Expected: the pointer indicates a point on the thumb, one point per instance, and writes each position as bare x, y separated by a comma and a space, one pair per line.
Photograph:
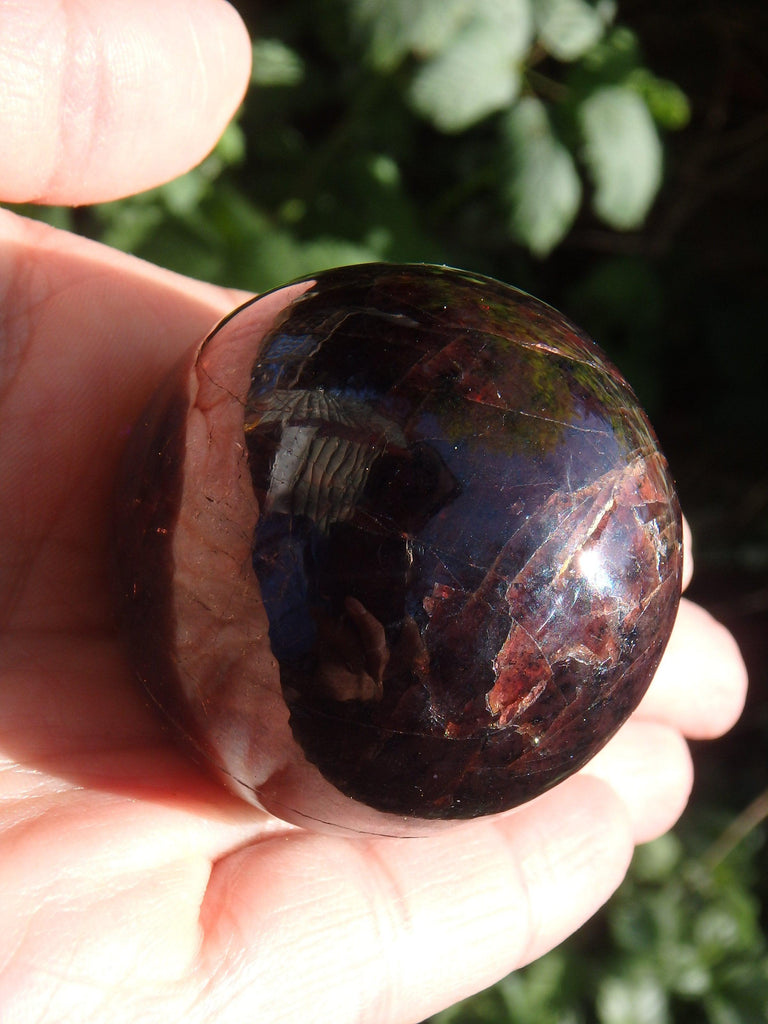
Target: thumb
101, 98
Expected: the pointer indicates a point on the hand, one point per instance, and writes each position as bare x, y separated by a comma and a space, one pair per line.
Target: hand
132, 888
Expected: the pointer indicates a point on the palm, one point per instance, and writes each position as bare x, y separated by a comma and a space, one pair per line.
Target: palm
94, 798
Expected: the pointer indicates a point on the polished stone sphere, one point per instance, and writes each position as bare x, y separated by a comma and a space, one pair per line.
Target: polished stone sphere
397, 548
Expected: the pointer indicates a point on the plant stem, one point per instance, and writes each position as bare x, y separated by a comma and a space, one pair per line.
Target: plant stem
738, 830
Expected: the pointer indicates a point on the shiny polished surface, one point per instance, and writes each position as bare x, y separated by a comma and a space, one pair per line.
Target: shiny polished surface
398, 547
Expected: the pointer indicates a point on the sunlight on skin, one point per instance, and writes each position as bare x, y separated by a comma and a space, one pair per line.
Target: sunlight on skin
133, 888
90, 88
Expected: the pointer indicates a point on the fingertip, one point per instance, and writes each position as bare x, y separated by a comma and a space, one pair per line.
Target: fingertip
574, 846
687, 554
701, 684
649, 766
100, 99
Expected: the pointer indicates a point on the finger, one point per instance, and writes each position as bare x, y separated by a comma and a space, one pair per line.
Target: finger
701, 683
393, 930
649, 767
687, 554
124, 308
100, 98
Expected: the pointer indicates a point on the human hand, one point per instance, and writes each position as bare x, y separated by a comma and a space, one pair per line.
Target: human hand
132, 888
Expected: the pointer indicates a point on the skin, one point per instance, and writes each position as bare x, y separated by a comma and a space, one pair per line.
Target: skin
132, 888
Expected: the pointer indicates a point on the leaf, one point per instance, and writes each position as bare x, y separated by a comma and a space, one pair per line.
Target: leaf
544, 186
569, 28
230, 149
395, 28
542, 992
610, 60
479, 72
666, 101
635, 998
274, 63
466, 82
658, 860
128, 224
510, 20
623, 154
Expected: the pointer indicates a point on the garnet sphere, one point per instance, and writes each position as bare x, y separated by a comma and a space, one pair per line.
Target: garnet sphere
397, 547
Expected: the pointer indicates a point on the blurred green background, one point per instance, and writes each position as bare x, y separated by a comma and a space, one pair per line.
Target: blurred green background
611, 158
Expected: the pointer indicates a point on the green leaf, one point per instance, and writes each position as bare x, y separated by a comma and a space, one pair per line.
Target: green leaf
658, 860
128, 224
395, 28
666, 101
568, 29
636, 998
230, 149
623, 154
274, 63
465, 83
684, 971
479, 72
544, 187
511, 20
57, 216
542, 992
612, 59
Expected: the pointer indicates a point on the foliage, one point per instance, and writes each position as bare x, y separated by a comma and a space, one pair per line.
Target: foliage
681, 941
444, 130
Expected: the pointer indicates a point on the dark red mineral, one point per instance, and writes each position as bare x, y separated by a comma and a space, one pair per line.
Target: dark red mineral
397, 547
